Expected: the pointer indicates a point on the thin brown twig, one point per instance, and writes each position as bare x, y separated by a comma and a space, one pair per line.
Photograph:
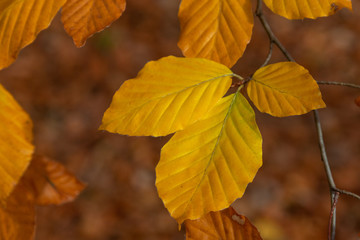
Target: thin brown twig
351, 194
324, 158
323, 151
339, 84
270, 33
333, 213
269, 54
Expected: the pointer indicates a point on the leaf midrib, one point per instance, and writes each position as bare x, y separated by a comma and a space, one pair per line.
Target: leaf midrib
175, 93
276, 89
214, 151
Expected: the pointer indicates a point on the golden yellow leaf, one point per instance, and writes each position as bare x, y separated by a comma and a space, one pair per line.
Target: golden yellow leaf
225, 224
300, 9
215, 29
209, 164
17, 217
16, 146
20, 22
166, 96
284, 89
83, 18
50, 182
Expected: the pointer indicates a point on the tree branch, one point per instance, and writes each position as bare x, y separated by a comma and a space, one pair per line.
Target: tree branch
270, 33
324, 158
347, 193
331, 234
323, 151
334, 192
269, 54
340, 84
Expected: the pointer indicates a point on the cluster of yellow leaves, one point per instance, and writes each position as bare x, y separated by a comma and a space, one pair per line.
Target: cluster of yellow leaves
42, 181
22, 20
217, 148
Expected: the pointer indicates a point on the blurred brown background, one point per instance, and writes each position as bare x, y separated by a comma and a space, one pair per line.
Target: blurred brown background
66, 90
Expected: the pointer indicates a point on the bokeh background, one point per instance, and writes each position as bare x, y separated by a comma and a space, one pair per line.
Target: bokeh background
66, 90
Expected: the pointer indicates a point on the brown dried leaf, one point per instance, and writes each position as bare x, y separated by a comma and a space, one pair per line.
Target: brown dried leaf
50, 182
225, 224
44, 182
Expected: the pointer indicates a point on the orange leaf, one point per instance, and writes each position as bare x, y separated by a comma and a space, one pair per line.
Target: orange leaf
17, 218
218, 30
20, 23
226, 224
83, 18
44, 182
50, 182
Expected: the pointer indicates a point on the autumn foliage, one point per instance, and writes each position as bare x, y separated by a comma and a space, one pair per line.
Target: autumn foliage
216, 149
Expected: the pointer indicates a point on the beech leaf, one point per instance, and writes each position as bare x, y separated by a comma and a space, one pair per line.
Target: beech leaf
295, 9
20, 23
215, 29
44, 182
166, 96
17, 217
83, 18
49, 182
225, 224
16, 146
209, 164
284, 89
